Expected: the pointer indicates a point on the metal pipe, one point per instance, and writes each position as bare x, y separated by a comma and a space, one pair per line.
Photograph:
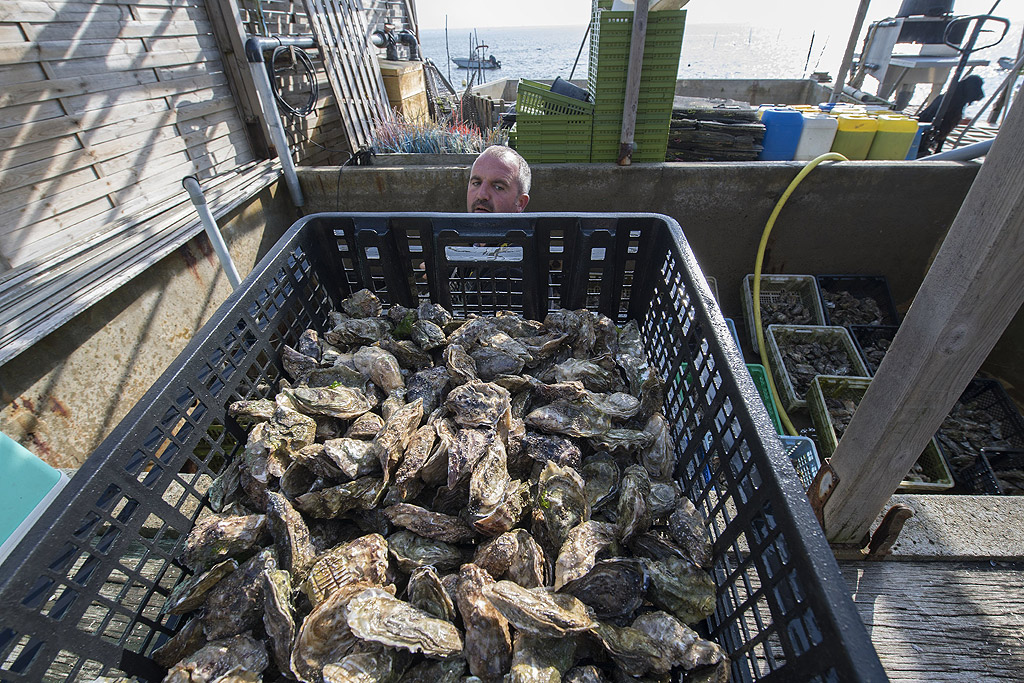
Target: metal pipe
844, 69
255, 46
195, 192
965, 153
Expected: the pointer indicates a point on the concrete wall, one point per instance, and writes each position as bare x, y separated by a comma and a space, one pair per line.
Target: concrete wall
64, 395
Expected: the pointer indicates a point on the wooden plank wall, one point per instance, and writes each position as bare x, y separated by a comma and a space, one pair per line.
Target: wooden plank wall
324, 126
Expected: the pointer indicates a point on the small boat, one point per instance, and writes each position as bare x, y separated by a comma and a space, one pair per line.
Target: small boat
475, 63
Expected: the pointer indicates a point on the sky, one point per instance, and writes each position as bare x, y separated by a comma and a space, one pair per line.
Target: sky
824, 14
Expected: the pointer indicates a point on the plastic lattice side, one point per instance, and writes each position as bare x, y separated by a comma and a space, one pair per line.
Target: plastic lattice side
81, 596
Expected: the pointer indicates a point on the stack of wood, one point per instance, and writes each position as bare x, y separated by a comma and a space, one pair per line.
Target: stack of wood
713, 130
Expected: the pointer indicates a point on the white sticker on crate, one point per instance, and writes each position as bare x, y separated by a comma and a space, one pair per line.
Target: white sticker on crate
476, 254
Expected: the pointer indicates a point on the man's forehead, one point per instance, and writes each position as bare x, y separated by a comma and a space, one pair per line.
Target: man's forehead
494, 166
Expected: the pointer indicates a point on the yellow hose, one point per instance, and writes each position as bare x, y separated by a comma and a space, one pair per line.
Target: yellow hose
830, 156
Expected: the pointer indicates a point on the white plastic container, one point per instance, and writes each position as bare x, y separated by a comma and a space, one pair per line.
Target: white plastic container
816, 138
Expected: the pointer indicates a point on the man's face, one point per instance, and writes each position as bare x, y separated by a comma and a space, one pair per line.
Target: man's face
494, 187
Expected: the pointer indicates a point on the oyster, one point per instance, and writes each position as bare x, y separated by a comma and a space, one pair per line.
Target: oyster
540, 660
612, 588
488, 644
237, 655
580, 550
278, 615
297, 364
427, 334
260, 409
563, 502
527, 566
489, 481
449, 670
601, 478
507, 513
687, 528
191, 594
430, 524
435, 313
394, 438
186, 641
632, 649
378, 616
407, 353
550, 448
380, 367
571, 418
324, 636
412, 551
631, 357
361, 561
460, 365
428, 385
235, 604
383, 665
365, 427
593, 376
407, 481
350, 331
678, 643
478, 404
665, 496
353, 458
362, 304
659, 459
214, 539
584, 674
680, 588
341, 402
426, 592
362, 494
538, 611
634, 514
465, 452
621, 440
291, 535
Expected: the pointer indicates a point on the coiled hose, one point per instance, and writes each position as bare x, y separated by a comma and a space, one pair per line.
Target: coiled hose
808, 167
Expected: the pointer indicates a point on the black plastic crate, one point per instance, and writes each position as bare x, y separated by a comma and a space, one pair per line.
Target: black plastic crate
865, 337
1005, 421
860, 287
81, 595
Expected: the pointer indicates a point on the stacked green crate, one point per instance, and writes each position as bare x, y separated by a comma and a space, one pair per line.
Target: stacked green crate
550, 127
610, 37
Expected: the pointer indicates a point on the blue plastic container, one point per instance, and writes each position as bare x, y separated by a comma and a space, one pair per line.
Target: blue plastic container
916, 144
27, 486
782, 129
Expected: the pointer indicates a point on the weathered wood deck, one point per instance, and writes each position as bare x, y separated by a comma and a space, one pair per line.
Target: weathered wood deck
942, 621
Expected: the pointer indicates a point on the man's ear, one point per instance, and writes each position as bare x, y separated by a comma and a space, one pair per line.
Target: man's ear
523, 200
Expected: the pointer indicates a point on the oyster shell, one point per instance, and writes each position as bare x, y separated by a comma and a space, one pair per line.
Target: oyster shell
488, 644
449, 670
528, 563
279, 615
584, 674
478, 404
261, 409
191, 594
360, 561
235, 604
591, 374
362, 304
359, 494
344, 403
680, 588
407, 353
580, 550
353, 458
380, 367
428, 385
468, 448
678, 643
296, 364
551, 448
460, 365
365, 427
435, 313
185, 642
428, 335
665, 496
295, 551
380, 617
571, 418
621, 440
507, 513
540, 660
429, 524
633, 650
215, 660
612, 588
539, 611
394, 438
601, 477
687, 528
215, 539
324, 636
634, 513
350, 331
563, 502
426, 592
407, 481
383, 665
412, 551
489, 481
659, 459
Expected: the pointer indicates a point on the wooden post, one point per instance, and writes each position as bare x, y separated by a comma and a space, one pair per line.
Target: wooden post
851, 45
971, 292
636, 62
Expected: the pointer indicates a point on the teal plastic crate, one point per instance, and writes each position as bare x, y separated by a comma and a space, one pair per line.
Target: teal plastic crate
764, 388
27, 486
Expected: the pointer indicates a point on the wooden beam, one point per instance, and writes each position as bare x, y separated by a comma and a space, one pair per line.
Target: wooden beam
636, 63
971, 292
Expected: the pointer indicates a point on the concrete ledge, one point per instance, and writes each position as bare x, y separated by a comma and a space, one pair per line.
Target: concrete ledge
960, 528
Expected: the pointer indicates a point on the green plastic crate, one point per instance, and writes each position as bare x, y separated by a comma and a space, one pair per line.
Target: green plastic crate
853, 388
781, 336
760, 376
552, 128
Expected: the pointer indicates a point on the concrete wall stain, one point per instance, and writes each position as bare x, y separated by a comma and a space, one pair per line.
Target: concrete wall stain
58, 407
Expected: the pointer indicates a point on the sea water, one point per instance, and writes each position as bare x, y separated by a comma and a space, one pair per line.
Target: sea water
709, 51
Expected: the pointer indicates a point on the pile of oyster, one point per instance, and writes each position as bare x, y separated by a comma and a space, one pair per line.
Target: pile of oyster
844, 308
804, 360
786, 308
434, 501
967, 429
875, 351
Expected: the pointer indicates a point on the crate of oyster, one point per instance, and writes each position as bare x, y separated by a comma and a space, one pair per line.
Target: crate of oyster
857, 300
798, 353
832, 401
314, 488
984, 417
785, 300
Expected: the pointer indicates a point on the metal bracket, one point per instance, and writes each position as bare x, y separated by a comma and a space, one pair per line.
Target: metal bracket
821, 489
888, 531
